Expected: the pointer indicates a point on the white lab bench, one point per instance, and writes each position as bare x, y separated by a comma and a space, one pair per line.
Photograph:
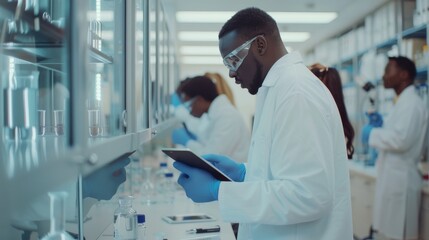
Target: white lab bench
155, 226
362, 182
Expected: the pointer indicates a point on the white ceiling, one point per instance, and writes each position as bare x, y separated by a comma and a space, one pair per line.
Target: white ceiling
350, 12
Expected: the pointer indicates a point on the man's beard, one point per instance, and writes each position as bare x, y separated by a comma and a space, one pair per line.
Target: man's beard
257, 80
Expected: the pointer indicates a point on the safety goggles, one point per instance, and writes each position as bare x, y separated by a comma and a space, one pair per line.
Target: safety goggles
235, 58
188, 104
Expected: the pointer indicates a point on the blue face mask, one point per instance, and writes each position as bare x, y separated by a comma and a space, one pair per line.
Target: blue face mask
188, 104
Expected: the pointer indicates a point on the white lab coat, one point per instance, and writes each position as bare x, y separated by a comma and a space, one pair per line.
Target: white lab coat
195, 125
297, 180
398, 187
226, 133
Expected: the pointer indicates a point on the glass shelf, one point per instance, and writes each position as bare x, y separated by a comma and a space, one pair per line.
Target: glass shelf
387, 44
97, 56
47, 32
48, 55
415, 32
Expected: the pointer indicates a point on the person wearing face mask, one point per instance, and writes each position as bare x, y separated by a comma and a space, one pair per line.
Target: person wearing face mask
295, 184
225, 132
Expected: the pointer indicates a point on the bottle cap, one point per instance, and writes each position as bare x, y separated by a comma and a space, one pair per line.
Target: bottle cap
141, 218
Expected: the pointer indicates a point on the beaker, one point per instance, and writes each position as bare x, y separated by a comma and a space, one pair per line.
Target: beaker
42, 122
94, 122
57, 231
59, 122
147, 187
20, 106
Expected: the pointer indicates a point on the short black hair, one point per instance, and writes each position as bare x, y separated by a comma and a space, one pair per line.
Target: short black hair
405, 64
200, 86
250, 22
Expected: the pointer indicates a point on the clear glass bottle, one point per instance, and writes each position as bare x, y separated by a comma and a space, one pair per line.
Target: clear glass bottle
168, 188
147, 187
141, 226
57, 231
125, 220
160, 173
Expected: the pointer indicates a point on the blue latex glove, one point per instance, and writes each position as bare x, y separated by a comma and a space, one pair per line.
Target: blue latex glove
104, 182
375, 119
175, 100
366, 131
236, 171
199, 185
181, 136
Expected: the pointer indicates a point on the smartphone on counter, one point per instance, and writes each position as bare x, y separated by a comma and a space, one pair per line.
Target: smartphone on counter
188, 218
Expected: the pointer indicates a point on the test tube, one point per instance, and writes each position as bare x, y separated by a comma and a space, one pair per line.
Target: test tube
94, 117
42, 122
59, 122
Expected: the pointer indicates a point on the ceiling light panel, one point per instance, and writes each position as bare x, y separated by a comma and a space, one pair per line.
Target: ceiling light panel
200, 50
280, 17
197, 36
210, 60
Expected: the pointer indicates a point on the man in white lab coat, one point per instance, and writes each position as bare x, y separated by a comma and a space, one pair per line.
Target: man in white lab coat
296, 182
400, 145
225, 132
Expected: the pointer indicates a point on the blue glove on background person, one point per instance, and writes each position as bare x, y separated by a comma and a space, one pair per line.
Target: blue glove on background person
366, 131
175, 100
236, 171
181, 136
375, 119
199, 185
104, 182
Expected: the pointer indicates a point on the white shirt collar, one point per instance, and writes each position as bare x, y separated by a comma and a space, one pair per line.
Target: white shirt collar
284, 62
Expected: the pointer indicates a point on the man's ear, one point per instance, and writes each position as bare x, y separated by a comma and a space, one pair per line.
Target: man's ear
404, 74
261, 45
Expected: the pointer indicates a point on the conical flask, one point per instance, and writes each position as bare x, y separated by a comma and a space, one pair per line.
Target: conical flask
58, 220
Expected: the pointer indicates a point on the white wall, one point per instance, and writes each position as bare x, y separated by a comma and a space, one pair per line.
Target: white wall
244, 100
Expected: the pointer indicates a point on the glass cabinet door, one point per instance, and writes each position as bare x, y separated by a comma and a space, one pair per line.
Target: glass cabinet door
140, 68
35, 132
104, 89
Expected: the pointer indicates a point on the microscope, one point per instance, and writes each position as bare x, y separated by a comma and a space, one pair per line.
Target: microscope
369, 152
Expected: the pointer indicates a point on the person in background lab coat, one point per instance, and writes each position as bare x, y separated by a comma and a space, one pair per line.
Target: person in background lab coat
226, 132
332, 80
296, 182
221, 85
400, 145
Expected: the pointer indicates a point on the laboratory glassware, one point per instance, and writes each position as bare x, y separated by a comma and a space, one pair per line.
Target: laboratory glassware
141, 226
94, 117
57, 231
20, 103
147, 187
125, 220
167, 188
42, 122
59, 122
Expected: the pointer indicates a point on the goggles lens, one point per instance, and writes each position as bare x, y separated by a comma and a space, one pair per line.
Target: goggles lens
235, 58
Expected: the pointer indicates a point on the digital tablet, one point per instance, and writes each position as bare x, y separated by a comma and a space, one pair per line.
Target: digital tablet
188, 218
188, 157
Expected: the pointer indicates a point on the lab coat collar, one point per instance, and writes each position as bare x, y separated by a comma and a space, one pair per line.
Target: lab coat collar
276, 70
406, 92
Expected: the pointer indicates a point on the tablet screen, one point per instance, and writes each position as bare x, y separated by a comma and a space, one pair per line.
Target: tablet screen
186, 156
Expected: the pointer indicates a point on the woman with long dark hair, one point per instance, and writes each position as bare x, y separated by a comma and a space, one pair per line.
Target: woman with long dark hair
332, 80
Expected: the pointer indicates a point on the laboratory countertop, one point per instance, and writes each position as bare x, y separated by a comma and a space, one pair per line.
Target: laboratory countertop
156, 227
370, 172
